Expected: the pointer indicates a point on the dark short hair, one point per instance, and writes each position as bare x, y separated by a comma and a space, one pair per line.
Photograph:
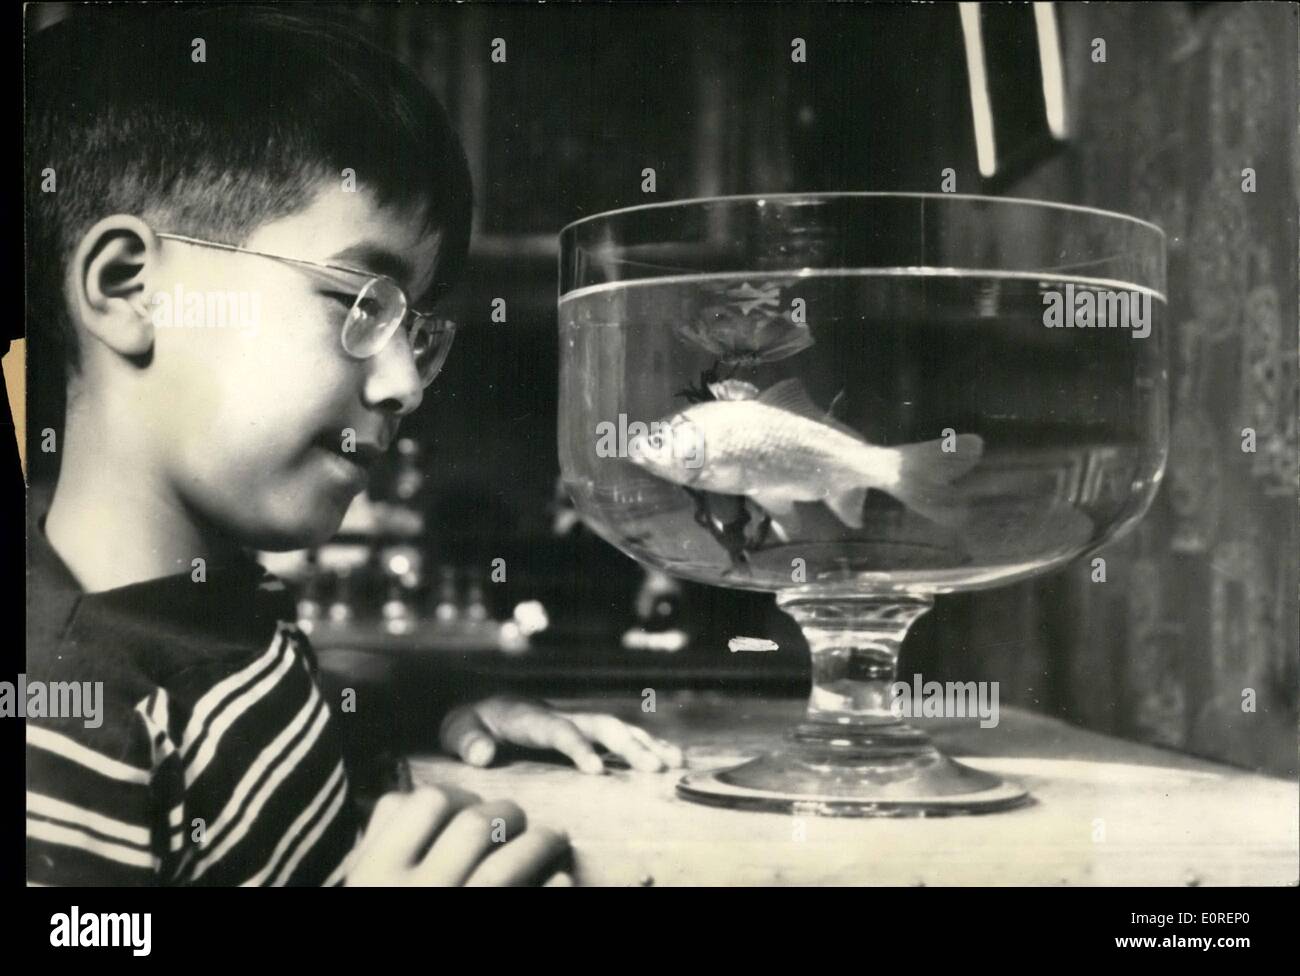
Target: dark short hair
130, 122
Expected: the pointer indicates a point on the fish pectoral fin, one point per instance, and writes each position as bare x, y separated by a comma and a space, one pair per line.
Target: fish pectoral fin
787, 526
781, 508
774, 503
847, 505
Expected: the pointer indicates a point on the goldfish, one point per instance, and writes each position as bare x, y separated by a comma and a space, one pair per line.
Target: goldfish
777, 448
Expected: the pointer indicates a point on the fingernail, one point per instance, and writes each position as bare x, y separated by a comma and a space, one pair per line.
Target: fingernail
479, 751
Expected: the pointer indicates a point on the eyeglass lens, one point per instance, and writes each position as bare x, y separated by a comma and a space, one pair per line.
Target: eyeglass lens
376, 314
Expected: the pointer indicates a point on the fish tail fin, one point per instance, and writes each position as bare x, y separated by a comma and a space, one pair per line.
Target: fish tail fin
925, 475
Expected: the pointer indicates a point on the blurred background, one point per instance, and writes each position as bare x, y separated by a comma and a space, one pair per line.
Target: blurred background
464, 567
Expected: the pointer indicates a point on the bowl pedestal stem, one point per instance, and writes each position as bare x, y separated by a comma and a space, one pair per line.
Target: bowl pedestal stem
852, 755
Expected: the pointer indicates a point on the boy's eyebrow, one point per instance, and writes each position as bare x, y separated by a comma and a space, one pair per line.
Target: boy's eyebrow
379, 260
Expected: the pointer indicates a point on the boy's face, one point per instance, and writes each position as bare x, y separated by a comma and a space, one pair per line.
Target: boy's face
248, 425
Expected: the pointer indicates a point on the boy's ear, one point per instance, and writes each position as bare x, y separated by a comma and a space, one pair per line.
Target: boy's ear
108, 279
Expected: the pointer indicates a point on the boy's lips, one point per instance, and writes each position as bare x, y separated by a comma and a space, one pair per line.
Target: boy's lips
352, 467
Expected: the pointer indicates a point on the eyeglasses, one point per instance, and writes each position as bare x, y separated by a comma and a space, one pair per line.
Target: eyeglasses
379, 308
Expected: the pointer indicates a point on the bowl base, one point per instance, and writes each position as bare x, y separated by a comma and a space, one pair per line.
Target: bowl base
916, 784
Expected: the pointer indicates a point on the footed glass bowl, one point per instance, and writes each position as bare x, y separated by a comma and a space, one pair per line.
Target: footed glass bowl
858, 401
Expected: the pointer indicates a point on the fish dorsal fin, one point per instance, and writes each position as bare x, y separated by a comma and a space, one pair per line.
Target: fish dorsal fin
791, 396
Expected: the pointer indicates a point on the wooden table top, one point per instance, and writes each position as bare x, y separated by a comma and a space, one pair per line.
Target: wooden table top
1105, 811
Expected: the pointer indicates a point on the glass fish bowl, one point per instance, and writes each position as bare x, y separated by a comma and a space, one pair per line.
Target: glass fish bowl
859, 401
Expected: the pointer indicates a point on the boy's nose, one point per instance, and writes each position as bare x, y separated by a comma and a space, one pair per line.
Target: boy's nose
392, 381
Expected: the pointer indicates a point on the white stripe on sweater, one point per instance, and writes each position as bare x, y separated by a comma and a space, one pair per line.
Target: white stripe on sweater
294, 833
62, 745
199, 762
75, 816
335, 806
273, 757
69, 837
153, 711
345, 865
214, 695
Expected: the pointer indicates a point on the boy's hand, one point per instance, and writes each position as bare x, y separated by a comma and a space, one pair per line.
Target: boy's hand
446, 836
473, 731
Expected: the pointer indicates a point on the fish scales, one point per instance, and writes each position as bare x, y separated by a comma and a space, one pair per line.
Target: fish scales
747, 443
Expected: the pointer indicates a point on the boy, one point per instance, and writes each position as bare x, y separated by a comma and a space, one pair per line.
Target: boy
250, 153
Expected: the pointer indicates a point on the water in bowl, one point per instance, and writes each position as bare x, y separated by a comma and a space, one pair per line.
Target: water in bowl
904, 357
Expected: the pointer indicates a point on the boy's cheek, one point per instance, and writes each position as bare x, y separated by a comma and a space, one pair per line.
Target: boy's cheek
275, 513
237, 413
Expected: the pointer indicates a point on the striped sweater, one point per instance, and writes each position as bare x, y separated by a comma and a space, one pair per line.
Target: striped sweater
215, 760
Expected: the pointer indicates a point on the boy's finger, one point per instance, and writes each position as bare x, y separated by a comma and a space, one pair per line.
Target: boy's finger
392, 803
522, 862
403, 826
557, 732
666, 751
467, 840
385, 809
671, 755
560, 879
464, 735
618, 737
